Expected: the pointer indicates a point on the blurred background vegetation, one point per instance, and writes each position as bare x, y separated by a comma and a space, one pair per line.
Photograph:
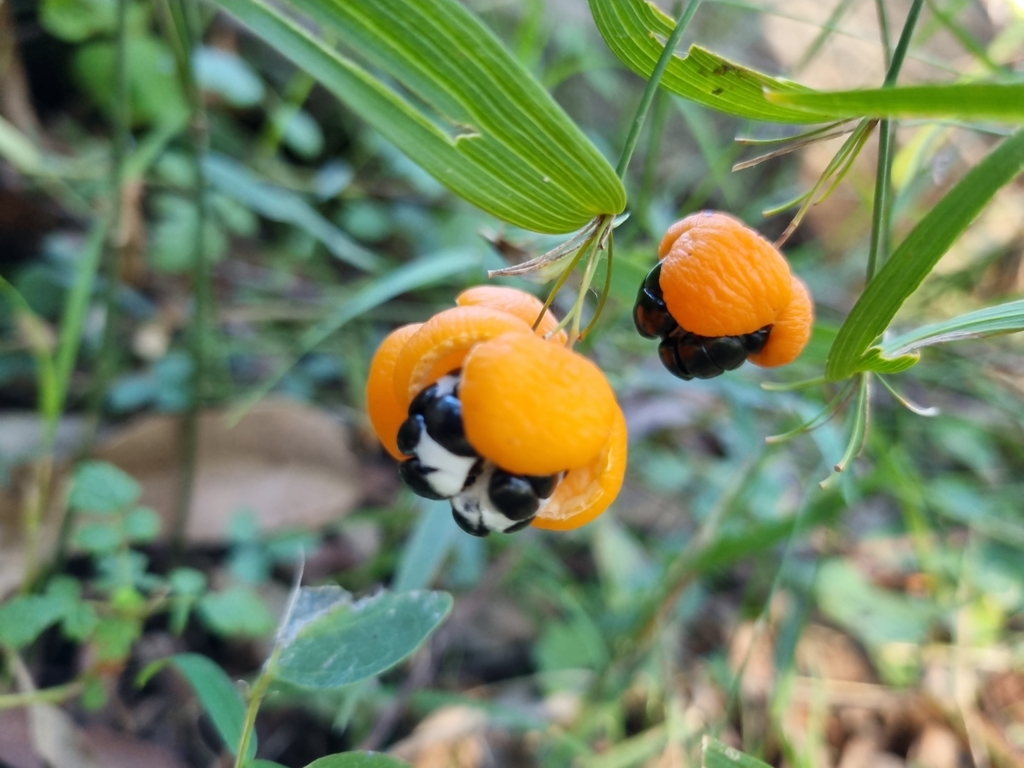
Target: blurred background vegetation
878, 623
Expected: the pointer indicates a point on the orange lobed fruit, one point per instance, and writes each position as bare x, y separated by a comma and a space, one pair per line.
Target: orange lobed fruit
790, 332
533, 407
386, 414
721, 278
525, 306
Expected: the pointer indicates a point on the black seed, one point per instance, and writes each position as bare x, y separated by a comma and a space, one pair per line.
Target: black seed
650, 317
667, 353
754, 342
423, 399
694, 357
409, 434
443, 419
652, 283
473, 530
512, 495
727, 352
518, 526
542, 485
414, 475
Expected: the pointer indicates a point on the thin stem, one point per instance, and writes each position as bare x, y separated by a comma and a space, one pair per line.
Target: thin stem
184, 31
259, 690
898, 55
883, 31
54, 695
652, 86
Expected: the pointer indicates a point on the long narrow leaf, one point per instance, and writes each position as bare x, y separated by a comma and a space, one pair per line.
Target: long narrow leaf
966, 101
917, 255
489, 131
635, 31
991, 321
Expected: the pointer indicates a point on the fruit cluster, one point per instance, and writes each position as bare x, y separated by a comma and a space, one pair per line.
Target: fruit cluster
505, 422
721, 295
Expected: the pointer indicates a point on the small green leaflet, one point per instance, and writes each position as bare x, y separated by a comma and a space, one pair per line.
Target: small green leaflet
635, 31
915, 257
715, 754
486, 130
966, 101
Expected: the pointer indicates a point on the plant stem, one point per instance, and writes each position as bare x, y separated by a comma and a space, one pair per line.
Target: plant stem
183, 32
55, 695
259, 690
881, 212
652, 86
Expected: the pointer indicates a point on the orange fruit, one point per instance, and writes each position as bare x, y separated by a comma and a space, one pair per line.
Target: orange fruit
533, 407
441, 344
721, 278
791, 331
523, 305
586, 492
386, 414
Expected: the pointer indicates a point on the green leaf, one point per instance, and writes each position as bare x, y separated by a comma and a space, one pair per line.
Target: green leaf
350, 641
427, 548
236, 612
357, 760
917, 255
99, 538
228, 75
636, 30
102, 488
486, 130
966, 101
25, 617
715, 754
142, 525
219, 698
242, 185
173, 239
114, 637
991, 321
75, 20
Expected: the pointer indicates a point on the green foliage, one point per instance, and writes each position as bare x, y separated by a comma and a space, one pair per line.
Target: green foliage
502, 142
968, 101
914, 259
77, 20
237, 611
633, 28
357, 760
715, 754
102, 488
990, 321
329, 640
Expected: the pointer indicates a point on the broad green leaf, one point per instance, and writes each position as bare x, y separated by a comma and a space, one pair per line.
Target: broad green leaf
236, 612
917, 255
991, 321
102, 488
427, 547
966, 101
277, 204
486, 130
23, 618
115, 636
715, 754
357, 760
99, 538
142, 525
636, 30
75, 20
219, 697
355, 640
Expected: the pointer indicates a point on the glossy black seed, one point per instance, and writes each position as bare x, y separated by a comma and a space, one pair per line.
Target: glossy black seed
512, 495
518, 526
443, 419
414, 475
727, 352
422, 400
652, 283
694, 357
667, 353
754, 342
478, 529
542, 485
650, 316
409, 434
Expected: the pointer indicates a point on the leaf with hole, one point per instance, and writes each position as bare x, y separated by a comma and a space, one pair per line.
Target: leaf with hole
348, 641
917, 255
636, 30
478, 122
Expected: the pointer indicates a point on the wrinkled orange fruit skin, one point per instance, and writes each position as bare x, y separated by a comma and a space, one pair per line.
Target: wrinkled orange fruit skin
721, 278
534, 407
523, 305
586, 492
441, 344
791, 331
385, 412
